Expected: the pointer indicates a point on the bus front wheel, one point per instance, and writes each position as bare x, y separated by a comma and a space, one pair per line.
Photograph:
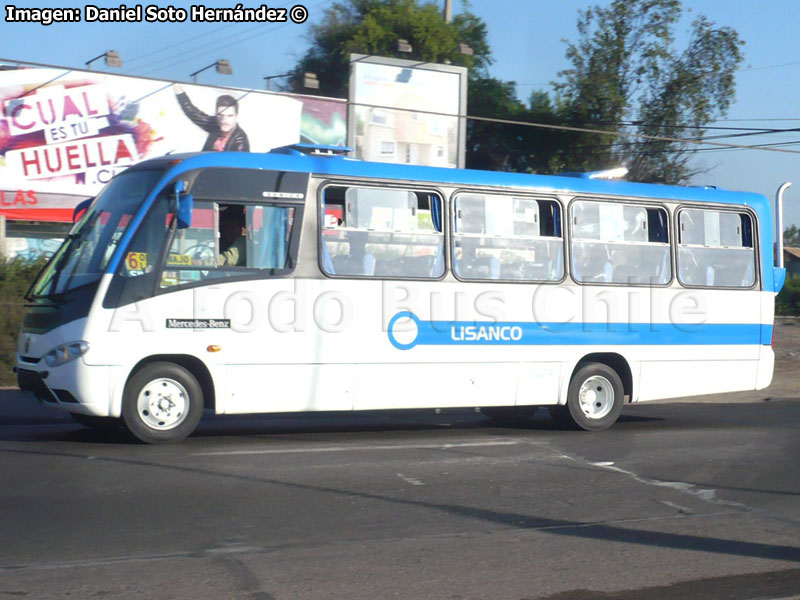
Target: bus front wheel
163, 402
594, 399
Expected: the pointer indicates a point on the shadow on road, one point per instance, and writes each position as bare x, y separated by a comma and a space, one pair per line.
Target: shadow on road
606, 531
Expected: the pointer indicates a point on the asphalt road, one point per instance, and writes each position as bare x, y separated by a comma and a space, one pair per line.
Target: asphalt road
675, 501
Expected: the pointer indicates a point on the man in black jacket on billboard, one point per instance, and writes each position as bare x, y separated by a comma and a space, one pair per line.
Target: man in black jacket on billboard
224, 132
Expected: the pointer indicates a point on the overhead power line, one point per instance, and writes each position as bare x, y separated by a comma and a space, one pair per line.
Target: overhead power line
657, 138
209, 48
752, 147
764, 68
179, 43
697, 141
756, 120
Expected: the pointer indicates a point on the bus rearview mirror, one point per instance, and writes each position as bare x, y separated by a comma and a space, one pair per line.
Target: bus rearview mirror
184, 214
80, 209
185, 202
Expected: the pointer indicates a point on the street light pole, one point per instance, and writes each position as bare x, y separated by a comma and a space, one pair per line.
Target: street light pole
269, 79
111, 56
222, 65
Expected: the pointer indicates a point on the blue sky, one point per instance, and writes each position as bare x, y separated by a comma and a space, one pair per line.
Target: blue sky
525, 37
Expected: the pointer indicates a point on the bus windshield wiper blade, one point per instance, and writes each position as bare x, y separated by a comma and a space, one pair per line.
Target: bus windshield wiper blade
39, 305
57, 268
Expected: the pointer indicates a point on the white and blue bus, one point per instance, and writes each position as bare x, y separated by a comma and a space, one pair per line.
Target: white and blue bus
305, 280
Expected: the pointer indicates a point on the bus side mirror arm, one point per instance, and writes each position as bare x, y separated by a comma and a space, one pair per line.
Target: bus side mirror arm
779, 275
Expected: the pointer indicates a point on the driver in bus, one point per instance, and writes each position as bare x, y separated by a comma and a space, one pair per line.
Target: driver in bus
232, 241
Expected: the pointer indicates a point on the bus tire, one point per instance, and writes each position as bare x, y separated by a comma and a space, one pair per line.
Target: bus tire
594, 399
560, 415
163, 402
97, 423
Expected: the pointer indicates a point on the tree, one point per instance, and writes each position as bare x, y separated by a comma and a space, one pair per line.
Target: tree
497, 146
373, 27
626, 76
791, 237
787, 301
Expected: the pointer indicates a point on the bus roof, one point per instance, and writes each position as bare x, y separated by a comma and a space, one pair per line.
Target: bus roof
298, 158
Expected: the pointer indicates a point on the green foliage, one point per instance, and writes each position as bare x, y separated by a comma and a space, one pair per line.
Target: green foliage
16, 277
492, 145
625, 68
791, 237
373, 27
497, 146
788, 300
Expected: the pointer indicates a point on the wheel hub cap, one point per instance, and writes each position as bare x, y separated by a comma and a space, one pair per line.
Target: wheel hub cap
596, 397
163, 404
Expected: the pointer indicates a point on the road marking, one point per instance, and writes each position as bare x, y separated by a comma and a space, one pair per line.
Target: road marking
410, 480
355, 448
707, 495
681, 509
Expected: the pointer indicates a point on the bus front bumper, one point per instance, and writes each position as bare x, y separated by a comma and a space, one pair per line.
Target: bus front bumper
73, 387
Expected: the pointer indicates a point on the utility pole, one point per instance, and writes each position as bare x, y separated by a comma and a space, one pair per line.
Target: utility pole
448, 11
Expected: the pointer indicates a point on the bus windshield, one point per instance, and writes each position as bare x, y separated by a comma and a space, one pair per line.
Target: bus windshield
84, 255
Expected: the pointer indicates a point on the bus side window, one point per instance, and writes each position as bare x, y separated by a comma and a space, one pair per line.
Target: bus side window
506, 237
381, 232
620, 243
193, 247
269, 230
716, 249
229, 239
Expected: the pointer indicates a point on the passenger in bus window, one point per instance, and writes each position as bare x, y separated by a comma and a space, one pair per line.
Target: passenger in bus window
232, 240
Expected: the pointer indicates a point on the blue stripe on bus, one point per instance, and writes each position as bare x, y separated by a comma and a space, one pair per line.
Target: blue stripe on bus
526, 333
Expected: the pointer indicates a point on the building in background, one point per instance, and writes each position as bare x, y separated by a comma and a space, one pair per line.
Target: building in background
791, 260
404, 111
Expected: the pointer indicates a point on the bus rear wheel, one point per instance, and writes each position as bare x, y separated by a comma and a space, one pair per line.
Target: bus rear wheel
163, 402
594, 399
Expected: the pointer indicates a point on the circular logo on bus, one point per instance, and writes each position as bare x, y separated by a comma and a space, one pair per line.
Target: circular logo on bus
403, 330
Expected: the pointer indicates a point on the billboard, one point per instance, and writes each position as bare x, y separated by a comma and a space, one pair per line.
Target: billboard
65, 133
406, 111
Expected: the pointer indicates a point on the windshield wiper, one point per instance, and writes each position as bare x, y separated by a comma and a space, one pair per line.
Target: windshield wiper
39, 305
56, 272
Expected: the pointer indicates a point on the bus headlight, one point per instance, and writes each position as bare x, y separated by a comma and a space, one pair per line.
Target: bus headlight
65, 353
